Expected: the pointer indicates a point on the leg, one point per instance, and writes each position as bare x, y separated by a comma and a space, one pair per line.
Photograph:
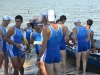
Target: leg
49, 69
38, 72
21, 66
42, 68
63, 57
1, 59
6, 63
15, 64
57, 68
78, 57
84, 57
87, 54
10, 67
28, 50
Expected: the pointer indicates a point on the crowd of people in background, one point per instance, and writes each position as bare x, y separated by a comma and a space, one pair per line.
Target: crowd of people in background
50, 37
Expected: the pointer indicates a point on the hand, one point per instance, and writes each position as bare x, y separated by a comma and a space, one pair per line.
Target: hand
18, 45
40, 43
37, 63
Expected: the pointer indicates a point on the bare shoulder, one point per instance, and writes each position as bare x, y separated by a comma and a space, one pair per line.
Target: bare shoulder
46, 29
75, 28
10, 30
65, 28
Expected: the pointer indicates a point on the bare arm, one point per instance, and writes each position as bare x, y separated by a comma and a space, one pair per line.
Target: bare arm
1, 33
31, 39
66, 35
44, 43
92, 39
88, 37
74, 36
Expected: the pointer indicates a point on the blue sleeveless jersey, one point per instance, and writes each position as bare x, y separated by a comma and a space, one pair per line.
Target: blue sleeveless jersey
17, 37
53, 45
4, 45
38, 38
82, 34
63, 43
81, 39
28, 32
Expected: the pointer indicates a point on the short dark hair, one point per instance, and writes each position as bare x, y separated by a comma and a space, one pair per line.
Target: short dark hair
19, 17
63, 17
89, 22
57, 20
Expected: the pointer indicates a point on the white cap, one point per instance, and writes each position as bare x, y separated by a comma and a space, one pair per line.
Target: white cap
51, 15
77, 20
6, 18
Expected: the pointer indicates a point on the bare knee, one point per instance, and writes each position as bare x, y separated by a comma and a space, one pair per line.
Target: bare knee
16, 67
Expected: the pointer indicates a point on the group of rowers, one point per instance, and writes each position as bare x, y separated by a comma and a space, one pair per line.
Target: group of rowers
49, 38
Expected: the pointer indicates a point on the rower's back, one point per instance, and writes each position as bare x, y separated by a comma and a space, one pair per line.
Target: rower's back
54, 39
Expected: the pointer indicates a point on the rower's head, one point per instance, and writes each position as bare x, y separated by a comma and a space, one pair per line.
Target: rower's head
57, 21
89, 23
6, 20
63, 18
28, 24
51, 16
18, 20
44, 17
77, 22
38, 26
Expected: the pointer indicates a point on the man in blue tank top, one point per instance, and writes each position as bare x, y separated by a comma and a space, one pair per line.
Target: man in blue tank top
14, 37
80, 38
38, 38
28, 30
52, 35
63, 43
3, 48
91, 34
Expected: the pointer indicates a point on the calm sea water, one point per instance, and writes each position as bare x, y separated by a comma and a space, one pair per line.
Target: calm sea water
73, 9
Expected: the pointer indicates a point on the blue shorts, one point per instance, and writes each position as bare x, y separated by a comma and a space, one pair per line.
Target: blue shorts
28, 39
14, 51
52, 57
88, 45
81, 46
23, 55
62, 46
4, 50
38, 47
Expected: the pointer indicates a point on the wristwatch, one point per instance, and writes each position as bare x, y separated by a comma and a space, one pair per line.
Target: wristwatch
38, 59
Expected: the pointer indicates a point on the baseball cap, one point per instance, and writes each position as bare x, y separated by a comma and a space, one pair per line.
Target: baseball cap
7, 18
77, 20
45, 14
51, 15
